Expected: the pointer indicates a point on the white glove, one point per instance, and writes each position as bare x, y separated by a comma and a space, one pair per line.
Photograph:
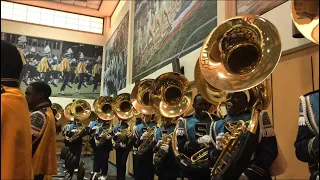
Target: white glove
73, 130
118, 133
165, 147
243, 177
144, 135
122, 145
204, 139
221, 141
160, 141
317, 177
108, 136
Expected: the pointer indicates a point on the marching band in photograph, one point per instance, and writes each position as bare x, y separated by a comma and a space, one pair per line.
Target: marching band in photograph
218, 120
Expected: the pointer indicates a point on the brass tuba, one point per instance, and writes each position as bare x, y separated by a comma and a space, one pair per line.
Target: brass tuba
238, 55
305, 16
57, 110
103, 107
124, 111
171, 95
81, 110
67, 113
140, 99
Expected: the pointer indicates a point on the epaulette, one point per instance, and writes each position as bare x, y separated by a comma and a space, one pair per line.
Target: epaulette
2, 90
312, 92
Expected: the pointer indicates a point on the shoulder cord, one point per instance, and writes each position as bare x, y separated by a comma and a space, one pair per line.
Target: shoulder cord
305, 115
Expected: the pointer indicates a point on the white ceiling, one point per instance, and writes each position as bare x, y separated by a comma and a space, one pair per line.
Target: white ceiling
97, 8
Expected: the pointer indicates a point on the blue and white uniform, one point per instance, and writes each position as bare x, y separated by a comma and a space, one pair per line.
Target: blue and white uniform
307, 141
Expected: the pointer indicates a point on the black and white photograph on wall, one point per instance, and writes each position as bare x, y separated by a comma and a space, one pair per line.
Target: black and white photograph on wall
257, 7
116, 59
165, 30
71, 69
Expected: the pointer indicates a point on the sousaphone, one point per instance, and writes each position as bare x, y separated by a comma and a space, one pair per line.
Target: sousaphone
67, 113
103, 107
80, 109
57, 110
171, 94
305, 16
123, 107
141, 97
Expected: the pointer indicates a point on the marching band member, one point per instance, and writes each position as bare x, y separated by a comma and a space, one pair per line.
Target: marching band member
75, 133
80, 72
166, 168
65, 70
193, 134
96, 73
16, 142
55, 70
66, 133
122, 148
239, 108
44, 67
307, 142
43, 130
145, 168
90, 131
134, 149
103, 142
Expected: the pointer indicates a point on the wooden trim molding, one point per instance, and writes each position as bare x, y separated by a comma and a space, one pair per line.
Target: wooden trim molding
230, 8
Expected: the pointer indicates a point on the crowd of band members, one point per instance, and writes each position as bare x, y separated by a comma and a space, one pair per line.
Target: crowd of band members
33, 155
70, 69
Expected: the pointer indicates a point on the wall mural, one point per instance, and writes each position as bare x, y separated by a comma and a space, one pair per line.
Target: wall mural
257, 7
71, 69
164, 30
116, 59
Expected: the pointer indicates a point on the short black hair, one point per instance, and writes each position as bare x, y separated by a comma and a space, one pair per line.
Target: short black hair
11, 61
195, 97
42, 87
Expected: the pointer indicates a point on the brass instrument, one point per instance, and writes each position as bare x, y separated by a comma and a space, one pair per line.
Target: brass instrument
305, 15
123, 110
57, 110
238, 55
67, 113
140, 99
103, 107
81, 110
160, 154
123, 107
171, 95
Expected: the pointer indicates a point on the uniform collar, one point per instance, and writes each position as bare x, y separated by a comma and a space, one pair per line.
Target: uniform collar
42, 105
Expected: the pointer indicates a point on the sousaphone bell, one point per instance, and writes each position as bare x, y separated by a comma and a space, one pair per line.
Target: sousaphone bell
67, 113
240, 53
80, 109
171, 95
57, 110
103, 107
123, 107
140, 97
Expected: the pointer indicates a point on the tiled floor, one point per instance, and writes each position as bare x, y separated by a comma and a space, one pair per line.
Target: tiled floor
88, 160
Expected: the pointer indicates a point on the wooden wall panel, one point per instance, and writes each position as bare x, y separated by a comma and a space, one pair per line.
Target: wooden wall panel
291, 79
315, 64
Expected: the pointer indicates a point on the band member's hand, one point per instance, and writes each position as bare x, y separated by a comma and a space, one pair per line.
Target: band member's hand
243, 177
73, 130
118, 133
144, 135
122, 145
204, 140
159, 142
108, 136
221, 141
165, 148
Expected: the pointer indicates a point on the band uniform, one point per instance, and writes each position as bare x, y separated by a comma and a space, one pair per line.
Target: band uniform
267, 148
166, 168
122, 149
145, 168
307, 141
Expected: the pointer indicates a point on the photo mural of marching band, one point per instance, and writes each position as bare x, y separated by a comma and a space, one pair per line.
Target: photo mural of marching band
71, 69
164, 30
116, 59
